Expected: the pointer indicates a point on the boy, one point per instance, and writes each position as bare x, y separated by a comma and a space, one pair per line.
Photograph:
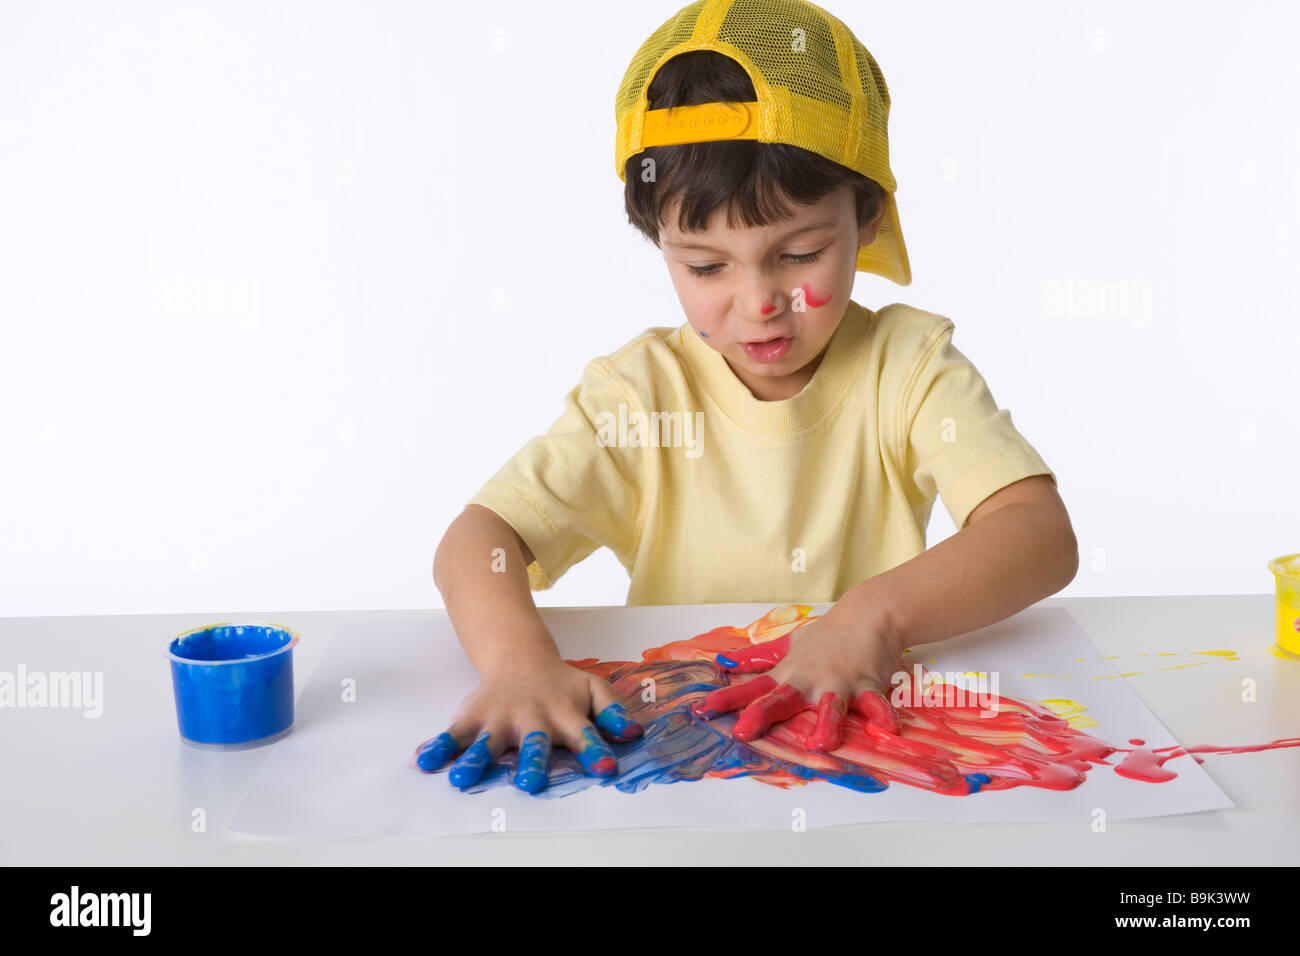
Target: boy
786, 444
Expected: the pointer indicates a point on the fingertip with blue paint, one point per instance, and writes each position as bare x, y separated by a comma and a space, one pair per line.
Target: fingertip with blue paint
534, 758
615, 722
726, 661
595, 756
432, 754
467, 770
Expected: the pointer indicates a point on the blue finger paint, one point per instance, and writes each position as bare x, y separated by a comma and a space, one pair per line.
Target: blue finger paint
676, 745
233, 684
534, 756
615, 722
466, 771
595, 755
435, 752
726, 661
976, 780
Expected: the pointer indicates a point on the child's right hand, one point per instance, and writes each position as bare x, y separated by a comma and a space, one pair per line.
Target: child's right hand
527, 705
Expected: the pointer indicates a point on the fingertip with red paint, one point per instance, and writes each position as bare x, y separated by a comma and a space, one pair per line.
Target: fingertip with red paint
882, 718
615, 722
778, 705
595, 756
758, 657
829, 732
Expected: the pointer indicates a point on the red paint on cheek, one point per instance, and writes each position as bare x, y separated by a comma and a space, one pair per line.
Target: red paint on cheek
812, 298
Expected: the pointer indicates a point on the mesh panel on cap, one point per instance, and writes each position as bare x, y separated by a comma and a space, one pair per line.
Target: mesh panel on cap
676, 30
766, 32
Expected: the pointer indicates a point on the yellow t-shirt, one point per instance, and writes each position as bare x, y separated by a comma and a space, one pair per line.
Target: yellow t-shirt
708, 495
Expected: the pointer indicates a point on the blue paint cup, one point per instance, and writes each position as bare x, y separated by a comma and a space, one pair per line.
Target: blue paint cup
233, 684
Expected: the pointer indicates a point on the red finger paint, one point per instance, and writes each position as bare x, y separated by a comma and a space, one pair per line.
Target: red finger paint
880, 713
733, 697
811, 297
781, 704
759, 657
1148, 765
719, 639
939, 748
829, 732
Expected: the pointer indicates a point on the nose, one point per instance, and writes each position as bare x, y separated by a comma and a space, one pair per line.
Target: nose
765, 301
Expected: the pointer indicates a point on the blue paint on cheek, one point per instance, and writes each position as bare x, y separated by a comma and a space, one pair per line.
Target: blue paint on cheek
976, 780
615, 722
704, 335
466, 771
534, 755
435, 753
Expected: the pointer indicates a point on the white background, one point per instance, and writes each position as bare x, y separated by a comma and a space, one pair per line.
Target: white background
282, 284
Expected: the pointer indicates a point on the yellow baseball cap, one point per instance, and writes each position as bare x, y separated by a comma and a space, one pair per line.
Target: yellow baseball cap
817, 87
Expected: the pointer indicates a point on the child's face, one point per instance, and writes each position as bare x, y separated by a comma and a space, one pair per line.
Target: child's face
785, 280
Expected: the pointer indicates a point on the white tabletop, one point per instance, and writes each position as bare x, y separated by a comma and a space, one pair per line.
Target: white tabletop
121, 789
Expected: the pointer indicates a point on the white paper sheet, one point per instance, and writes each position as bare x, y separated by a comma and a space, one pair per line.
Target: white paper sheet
343, 770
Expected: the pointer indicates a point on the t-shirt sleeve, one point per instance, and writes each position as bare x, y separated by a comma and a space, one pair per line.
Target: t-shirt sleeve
956, 442
571, 490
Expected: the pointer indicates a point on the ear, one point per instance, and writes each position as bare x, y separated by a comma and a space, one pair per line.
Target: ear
867, 233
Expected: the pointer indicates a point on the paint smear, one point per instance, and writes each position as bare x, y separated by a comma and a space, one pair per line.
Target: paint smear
812, 298
949, 749
1216, 656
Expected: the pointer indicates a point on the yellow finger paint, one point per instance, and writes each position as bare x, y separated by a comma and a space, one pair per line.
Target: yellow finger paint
1071, 710
1286, 571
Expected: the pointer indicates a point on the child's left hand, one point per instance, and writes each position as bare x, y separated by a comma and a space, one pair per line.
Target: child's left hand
818, 666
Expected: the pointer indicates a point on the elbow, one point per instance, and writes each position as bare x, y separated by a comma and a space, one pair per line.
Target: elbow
437, 563
1070, 558
441, 554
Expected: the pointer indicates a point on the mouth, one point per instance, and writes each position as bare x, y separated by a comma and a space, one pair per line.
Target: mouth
768, 350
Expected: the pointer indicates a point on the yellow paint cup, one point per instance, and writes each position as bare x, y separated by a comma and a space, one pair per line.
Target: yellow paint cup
1286, 570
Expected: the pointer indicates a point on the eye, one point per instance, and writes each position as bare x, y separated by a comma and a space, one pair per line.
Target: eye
800, 260
702, 270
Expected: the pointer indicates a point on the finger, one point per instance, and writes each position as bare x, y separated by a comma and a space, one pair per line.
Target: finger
435, 752
782, 704
758, 657
615, 722
593, 753
829, 732
469, 767
882, 718
611, 715
534, 760
726, 699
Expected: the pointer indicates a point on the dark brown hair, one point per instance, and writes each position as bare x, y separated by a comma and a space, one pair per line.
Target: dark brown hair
755, 181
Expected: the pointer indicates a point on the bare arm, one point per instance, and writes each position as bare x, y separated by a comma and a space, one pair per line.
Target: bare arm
1017, 547
492, 612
